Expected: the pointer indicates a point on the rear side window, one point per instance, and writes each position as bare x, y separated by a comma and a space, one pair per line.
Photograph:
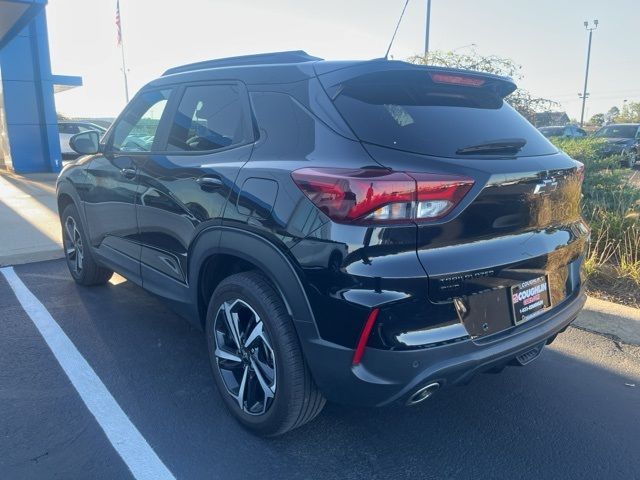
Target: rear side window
404, 109
209, 117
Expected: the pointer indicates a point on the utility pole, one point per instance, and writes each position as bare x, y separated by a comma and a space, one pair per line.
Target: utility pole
426, 34
584, 95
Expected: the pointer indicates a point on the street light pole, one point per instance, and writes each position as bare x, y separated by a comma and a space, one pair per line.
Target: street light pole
586, 73
426, 34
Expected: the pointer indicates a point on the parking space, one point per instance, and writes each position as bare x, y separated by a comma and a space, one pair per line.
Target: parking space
561, 417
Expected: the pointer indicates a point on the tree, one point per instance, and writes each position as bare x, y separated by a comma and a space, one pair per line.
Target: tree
522, 100
597, 120
630, 113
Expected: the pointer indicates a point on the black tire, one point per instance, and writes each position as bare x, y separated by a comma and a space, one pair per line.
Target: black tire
296, 399
86, 271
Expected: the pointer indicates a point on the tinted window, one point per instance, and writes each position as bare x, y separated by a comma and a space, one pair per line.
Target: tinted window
617, 131
136, 130
553, 131
209, 117
405, 110
68, 128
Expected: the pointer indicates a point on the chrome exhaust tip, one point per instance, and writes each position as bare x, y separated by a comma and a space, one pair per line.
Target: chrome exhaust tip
423, 393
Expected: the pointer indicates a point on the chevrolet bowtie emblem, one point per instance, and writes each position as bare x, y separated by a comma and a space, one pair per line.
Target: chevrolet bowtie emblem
546, 186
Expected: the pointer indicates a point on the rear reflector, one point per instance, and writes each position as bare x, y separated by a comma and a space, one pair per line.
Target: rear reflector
364, 336
374, 196
457, 79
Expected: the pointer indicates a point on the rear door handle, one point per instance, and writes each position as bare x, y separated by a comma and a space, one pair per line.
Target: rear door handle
128, 172
209, 183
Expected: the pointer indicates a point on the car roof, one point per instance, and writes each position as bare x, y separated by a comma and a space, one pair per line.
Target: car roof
286, 67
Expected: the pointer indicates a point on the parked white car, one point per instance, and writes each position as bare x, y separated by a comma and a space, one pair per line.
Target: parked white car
69, 129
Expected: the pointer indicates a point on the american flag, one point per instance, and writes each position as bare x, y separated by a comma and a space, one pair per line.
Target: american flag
118, 24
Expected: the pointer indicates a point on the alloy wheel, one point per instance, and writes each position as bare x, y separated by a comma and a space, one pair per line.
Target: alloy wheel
244, 357
73, 245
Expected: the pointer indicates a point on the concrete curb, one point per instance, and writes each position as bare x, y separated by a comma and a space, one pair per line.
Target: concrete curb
612, 319
30, 257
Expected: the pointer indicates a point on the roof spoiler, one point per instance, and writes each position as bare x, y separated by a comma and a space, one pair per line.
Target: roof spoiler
500, 85
293, 56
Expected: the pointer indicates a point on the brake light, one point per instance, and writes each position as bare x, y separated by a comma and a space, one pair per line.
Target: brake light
373, 196
457, 79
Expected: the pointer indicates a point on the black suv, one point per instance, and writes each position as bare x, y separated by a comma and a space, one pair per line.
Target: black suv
364, 232
621, 139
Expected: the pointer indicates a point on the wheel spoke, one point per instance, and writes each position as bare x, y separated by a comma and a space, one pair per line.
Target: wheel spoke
79, 259
70, 251
243, 387
255, 333
69, 228
268, 392
232, 323
225, 355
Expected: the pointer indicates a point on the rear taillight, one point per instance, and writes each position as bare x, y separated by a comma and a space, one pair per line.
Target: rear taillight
368, 196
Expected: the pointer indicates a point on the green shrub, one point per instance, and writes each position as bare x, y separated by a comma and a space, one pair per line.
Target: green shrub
611, 205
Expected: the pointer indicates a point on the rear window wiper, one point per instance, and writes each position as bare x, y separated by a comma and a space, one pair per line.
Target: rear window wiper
494, 147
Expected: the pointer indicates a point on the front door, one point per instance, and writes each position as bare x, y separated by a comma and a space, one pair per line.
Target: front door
113, 185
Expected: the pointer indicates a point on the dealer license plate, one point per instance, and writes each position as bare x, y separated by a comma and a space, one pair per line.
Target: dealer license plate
530, 299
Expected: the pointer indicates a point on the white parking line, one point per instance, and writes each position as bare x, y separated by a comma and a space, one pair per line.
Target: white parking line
123, 435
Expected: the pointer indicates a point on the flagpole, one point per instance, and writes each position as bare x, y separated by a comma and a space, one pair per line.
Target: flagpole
121, 43
124, 73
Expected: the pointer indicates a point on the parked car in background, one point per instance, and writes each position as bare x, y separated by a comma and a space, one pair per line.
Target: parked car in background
566, 131
366, 232
621, 139
68, 129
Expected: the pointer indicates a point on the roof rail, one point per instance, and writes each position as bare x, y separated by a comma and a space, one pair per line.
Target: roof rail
293, 56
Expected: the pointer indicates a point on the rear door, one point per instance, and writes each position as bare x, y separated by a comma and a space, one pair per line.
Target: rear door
184, 186
519, 222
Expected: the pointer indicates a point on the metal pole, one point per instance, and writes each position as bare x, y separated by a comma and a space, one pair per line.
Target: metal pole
426, 35
124, 73
586, 79
124, 65
586, 73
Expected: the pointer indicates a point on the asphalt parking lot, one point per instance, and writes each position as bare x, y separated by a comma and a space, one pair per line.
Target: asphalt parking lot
563, 416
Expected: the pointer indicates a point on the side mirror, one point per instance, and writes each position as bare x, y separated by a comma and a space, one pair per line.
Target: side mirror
86, 143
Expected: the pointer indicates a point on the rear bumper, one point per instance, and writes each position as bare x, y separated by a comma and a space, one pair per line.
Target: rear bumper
387, 376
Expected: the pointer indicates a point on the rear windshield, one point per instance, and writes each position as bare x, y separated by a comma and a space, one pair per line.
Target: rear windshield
407, 111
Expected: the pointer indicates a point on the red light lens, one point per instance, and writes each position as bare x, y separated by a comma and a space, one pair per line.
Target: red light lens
364, 336
439, 194
457, 79
350, 195
376, 196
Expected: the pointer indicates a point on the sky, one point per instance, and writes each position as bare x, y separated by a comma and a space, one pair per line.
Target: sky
547, 37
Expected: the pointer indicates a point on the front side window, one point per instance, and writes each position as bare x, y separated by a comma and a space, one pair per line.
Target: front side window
209, 117
136, 130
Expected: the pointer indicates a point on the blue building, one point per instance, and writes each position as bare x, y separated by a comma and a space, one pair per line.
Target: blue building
29, 140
